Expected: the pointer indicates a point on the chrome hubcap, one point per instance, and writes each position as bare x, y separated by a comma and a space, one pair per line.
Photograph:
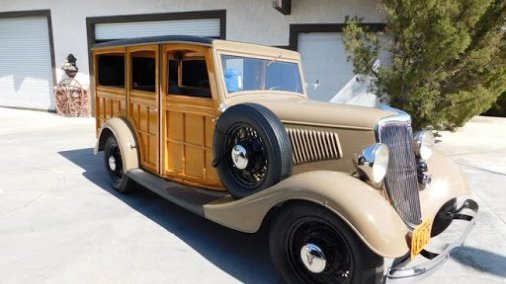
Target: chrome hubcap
313, 258
112, 163
239, 157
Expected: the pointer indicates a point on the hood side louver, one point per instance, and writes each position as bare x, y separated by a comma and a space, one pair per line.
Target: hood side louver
314, 145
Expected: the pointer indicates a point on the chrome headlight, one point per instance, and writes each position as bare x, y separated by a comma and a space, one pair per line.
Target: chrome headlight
424, 143
372, 162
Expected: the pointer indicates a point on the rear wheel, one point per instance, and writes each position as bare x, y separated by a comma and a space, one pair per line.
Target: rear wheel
309, 244
114, 165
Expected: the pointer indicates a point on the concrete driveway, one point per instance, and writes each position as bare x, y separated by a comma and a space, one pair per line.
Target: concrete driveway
60, 222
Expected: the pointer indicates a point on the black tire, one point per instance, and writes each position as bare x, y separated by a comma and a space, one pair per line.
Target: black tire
118, 179
347, 258
263, 138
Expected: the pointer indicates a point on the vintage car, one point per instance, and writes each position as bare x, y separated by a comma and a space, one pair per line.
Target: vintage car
226, 130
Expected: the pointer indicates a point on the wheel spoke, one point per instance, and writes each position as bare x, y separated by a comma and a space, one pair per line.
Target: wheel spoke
335, 249
248, 137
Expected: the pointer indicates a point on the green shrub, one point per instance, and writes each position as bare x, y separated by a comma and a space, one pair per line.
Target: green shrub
499, 108
448, 57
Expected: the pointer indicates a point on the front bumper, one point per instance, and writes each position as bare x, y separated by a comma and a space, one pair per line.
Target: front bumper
401, 272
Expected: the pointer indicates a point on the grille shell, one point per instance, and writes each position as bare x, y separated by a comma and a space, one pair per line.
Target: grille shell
401, 178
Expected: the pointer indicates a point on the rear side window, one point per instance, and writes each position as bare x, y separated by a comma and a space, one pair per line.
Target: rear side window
173, 70
111, 70
195, 74
143, 73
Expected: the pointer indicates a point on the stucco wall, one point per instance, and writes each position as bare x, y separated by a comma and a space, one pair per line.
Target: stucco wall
247, 20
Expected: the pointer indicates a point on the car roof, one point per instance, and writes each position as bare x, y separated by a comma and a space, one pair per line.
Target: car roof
155, 40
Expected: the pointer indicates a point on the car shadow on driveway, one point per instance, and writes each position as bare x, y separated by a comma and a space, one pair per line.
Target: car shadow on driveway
481, 260
244, 256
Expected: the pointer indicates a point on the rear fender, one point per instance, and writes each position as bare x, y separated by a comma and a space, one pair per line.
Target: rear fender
362, 207
120, 129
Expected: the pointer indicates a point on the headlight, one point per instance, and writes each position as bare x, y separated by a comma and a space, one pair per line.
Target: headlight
372, 162
424, 143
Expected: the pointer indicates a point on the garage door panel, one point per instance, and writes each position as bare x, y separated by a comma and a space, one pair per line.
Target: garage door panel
26, 78
324, 59
195, 27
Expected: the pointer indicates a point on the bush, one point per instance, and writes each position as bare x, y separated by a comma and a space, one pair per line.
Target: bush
499, 108
448, 57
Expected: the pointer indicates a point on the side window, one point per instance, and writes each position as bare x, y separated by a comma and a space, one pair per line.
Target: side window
195, 74
143, 71
188, 75
111, 70
173, 72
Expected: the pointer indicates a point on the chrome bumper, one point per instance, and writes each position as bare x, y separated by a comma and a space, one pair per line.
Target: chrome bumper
399, 273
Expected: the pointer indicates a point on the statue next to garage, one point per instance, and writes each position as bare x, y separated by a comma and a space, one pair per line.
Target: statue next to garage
71, 98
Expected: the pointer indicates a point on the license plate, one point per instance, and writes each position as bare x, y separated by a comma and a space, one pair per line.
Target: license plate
420, 237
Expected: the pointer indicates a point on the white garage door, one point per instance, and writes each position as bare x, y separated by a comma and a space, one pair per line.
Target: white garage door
324, 59
26, 78
197, 27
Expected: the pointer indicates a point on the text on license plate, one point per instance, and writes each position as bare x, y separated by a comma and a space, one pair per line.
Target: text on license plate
420, 237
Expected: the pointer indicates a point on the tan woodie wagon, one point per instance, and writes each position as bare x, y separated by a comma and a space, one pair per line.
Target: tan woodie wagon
225, 130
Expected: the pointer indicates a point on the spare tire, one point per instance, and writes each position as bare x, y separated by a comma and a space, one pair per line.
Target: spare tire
252, 150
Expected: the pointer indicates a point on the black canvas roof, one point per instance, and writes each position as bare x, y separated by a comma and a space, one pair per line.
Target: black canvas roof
155, 40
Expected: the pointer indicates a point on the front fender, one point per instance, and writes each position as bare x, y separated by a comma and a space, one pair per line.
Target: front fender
362, 207
447, 182
126, 141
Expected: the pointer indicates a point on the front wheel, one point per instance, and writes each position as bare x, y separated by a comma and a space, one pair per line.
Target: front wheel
114, 165
309, 244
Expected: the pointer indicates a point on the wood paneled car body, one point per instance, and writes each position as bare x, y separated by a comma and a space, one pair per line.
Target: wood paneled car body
225, 130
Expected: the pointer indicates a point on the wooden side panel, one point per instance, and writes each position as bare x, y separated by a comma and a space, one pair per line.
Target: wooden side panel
175, 145
109, 103
144, 116
211, 172
190, 126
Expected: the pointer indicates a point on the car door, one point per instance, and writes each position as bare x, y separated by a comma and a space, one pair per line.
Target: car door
190, 106
142, 95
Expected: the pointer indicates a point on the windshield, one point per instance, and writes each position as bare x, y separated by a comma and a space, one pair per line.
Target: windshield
252, 74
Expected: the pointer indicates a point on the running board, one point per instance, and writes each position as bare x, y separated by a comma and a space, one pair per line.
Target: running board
190, 198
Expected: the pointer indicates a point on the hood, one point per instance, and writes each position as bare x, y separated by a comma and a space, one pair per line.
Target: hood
296, 109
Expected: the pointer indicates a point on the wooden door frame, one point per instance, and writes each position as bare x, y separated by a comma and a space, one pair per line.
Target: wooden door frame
165, 49
129, 90
101, 118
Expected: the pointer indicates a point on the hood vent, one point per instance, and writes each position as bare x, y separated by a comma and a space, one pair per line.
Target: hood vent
313, 145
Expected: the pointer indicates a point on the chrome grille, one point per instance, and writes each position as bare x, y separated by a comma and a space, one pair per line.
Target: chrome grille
401, 180
313, 145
